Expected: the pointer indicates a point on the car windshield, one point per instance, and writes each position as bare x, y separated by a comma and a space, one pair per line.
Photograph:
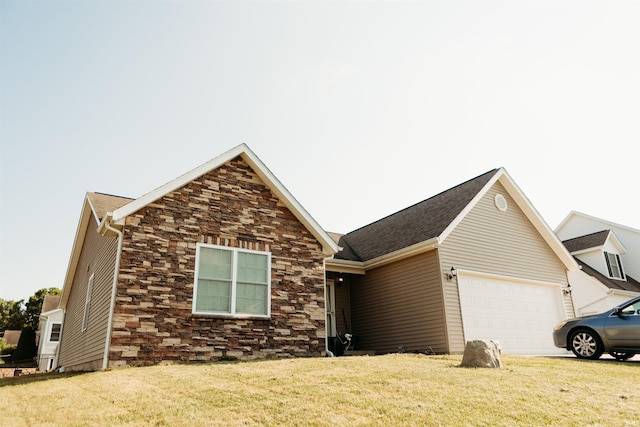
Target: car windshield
631, 309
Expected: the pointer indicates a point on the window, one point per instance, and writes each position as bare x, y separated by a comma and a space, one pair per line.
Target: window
87, 303
632, 309
55, 332
614, 265
232, 281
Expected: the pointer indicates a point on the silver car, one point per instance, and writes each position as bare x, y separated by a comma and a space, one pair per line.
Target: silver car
616, 332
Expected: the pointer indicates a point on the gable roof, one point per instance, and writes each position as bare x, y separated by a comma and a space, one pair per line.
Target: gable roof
329, 246
50, 303
629, 285
418, 223
12, 337
427, 224
593, 240
589, 241
112, 210
102, 203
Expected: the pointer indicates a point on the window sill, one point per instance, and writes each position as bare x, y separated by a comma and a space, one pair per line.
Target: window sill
231, 316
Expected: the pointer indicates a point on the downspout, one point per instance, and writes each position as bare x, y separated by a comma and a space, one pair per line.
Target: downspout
105, 359
326, 327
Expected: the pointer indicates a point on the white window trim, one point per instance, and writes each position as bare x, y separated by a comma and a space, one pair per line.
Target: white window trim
51, 332
232, 313
87, 304
615, 258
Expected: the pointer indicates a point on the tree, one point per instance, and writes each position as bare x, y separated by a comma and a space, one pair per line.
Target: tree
12, 315
26, 349
34, 306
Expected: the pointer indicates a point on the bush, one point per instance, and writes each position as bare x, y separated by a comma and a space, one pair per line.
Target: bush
26, 349
5, 350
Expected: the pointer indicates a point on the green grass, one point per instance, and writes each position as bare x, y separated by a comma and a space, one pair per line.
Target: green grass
383, 390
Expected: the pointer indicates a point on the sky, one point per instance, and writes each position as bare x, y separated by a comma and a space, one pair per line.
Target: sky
359, 108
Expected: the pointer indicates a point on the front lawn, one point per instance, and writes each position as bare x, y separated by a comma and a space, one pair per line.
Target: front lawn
382, 390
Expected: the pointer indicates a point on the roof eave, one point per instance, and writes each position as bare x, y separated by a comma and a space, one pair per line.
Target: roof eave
328, 245
76, 249
538, 222
527, 207
409, 251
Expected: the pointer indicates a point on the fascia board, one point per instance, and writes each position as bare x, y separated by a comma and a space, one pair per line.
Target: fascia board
565, 221
357, 267
173, 185
407, 252
525, 205
596, 219
616, 242
622, 292
536, 219
471, 205
344, 266
76, 249
588, 250
328, 245
51, 312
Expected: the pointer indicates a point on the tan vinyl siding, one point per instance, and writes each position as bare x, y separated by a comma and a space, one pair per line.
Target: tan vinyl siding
84, 350
400, 305
500, 243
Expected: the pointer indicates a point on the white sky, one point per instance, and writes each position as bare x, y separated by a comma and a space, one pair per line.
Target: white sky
360, 109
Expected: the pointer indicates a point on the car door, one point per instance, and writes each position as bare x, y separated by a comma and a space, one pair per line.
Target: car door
623, 329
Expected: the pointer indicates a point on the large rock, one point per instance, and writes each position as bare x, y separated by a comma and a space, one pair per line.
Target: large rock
482, 354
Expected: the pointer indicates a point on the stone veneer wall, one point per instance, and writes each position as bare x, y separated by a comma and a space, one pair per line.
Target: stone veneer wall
230, 206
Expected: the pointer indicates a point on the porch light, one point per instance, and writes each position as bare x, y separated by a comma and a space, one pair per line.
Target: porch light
453, 273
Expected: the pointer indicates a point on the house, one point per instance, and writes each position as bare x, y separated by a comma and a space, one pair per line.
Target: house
220, 263
473, 262
609, 257
12, 337
49, 332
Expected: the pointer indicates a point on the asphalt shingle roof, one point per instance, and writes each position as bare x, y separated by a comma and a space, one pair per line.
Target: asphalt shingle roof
418, 223
588, 241
103, 203
630, 284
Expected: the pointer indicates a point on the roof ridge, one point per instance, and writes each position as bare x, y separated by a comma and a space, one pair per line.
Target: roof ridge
112, 195
584, 236
423, 201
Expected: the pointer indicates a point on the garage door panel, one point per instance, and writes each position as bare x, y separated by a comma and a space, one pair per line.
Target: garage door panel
520, 316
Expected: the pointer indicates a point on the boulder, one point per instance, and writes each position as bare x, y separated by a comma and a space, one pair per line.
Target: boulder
482, 354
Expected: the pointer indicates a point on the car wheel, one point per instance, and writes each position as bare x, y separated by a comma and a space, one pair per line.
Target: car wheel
586, 344
621, 355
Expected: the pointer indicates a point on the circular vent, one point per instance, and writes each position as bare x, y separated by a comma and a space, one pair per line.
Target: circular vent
501, 202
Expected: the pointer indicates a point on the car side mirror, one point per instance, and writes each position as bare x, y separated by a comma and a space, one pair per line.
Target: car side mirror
617, 311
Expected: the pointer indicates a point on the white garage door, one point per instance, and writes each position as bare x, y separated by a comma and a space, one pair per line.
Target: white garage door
520, 316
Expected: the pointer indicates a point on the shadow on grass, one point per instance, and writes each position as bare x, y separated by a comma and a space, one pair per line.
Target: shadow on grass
604, 359
36, 378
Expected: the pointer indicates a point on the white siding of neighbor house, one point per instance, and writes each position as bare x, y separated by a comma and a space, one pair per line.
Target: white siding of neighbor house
84, 350
499, 243
579, 225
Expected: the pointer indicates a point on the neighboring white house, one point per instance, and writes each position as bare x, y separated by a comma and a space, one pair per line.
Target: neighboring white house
609, 257
49, 333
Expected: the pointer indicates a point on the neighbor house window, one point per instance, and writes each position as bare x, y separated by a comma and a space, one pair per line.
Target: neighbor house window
232, 281
614, 265
87, 304
55, 332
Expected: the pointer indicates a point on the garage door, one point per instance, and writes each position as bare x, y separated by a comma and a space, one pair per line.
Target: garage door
520, 316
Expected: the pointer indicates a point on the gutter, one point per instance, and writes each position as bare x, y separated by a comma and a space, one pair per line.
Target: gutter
106, 226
